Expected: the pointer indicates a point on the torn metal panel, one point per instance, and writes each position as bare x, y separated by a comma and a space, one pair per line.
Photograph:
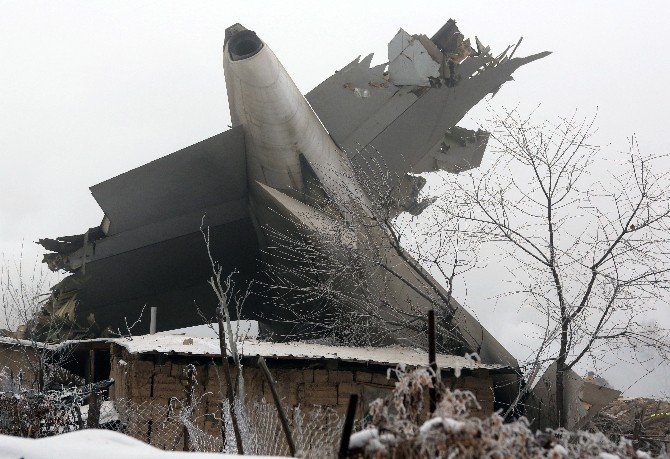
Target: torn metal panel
431, 48
461, 149
57, 320
452, 43
65, 246
410, 62
584, 399
408, 193
595, 397
69, 244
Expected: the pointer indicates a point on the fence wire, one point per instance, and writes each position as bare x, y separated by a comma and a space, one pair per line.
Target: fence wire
174, 424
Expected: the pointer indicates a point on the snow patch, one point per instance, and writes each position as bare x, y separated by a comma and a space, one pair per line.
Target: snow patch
360, 439
560, 450
108, 412
92, 443
248, 328
393, 355
447, 424
608, 456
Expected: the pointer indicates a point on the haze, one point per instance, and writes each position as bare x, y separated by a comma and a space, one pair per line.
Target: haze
91, 89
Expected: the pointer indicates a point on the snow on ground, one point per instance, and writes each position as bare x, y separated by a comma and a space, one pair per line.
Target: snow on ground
108, 412
91, 443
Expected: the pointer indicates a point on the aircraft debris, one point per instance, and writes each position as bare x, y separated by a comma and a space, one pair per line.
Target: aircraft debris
585, 398
148, 250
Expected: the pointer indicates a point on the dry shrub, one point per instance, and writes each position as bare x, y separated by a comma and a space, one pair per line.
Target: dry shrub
400, 426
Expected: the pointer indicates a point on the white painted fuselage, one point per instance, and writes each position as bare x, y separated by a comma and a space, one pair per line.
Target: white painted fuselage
279, 126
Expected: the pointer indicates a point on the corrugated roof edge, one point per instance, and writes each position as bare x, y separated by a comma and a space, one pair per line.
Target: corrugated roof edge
181, 345
6, 340
198, 346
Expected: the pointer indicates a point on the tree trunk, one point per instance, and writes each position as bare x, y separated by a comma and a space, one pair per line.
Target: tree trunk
229, 390
561, 367
561, 418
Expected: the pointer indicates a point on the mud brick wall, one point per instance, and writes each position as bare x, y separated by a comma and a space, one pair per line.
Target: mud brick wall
18, 360
479, 383
141, 378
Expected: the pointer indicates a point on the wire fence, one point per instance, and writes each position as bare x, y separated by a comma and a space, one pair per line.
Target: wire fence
174, 424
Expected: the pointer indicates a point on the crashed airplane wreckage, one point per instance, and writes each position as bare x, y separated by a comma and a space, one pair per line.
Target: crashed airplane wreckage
249, 180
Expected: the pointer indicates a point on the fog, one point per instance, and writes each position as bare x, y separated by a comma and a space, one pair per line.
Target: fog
91, 89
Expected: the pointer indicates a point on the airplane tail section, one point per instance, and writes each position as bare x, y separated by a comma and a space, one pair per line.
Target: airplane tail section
407, 108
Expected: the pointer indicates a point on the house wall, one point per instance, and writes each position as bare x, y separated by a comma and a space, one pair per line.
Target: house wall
151, 378
18, 360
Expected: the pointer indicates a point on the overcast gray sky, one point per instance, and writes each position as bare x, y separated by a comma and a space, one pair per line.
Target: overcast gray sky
91, 89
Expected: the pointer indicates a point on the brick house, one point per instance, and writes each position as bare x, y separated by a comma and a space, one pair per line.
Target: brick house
149, 372
152, 367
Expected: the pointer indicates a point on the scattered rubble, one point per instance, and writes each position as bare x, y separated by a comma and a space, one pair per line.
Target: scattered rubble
397, 427
644, 420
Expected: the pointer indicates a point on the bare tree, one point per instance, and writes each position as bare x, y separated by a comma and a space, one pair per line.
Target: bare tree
32, 328
229, 297
585, 234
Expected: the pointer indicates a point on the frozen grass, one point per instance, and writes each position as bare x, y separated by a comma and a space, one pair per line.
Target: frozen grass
400, 427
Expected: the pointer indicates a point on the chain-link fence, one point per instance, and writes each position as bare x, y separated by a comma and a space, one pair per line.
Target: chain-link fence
174, 424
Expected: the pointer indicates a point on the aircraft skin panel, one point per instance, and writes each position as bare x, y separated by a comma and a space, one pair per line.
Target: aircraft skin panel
406, 118
194, 178
339, 103
171, 275
279, 125
158, 232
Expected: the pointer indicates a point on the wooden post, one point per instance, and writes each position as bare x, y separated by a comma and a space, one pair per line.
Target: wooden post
189, 402
637, 427
93, 420
280, 409
80, 421
432, 360
348, 426
229, 383
150, 423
